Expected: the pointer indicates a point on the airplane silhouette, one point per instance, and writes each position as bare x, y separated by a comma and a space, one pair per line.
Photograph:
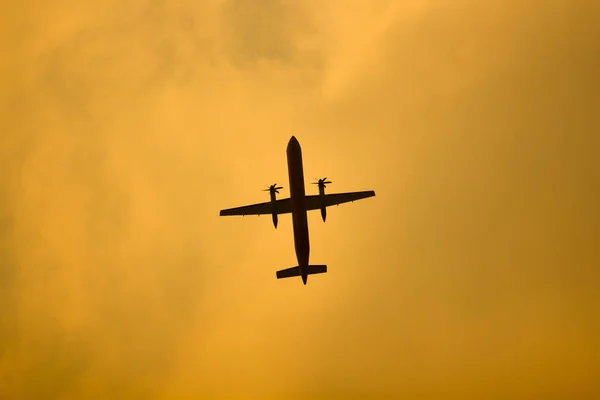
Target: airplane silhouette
298, 204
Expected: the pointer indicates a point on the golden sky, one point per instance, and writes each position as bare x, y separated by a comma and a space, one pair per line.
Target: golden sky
126, 127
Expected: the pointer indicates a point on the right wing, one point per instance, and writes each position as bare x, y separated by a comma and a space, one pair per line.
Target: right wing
282, 206
317, 201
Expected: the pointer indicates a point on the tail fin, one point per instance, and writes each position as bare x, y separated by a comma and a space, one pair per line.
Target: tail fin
295, 271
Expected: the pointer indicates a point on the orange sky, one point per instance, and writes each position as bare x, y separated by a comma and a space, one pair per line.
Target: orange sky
126, 127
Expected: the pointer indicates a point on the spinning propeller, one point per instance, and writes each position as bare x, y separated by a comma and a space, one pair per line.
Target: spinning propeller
321, 182
273, 188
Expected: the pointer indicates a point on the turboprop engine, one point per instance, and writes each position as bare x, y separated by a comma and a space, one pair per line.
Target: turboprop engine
322, 182
273, 191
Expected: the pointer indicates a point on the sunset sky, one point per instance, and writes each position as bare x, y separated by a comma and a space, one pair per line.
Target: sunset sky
126, 126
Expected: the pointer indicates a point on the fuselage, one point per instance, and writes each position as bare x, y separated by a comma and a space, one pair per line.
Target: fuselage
298, 199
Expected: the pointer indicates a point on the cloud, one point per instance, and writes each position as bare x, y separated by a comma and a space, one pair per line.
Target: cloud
470, 275
260, 31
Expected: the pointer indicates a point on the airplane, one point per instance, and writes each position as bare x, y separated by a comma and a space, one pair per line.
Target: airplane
298, 204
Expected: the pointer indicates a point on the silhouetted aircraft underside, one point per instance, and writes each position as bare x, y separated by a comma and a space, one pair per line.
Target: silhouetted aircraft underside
298, 204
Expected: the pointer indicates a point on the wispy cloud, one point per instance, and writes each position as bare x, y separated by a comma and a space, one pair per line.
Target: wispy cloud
128, 126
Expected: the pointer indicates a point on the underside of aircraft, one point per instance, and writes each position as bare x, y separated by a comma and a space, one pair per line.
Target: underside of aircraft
298, 204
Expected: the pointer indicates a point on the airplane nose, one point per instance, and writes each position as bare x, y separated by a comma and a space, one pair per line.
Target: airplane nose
293, 144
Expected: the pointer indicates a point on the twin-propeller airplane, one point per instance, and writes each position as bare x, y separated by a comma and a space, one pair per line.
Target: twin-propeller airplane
298, 204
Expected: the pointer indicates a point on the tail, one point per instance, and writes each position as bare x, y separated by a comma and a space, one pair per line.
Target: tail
295, 271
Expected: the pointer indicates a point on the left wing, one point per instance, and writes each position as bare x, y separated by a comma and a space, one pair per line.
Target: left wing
282, 206
317, 201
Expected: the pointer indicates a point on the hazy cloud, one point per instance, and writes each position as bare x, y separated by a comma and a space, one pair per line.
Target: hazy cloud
127, 127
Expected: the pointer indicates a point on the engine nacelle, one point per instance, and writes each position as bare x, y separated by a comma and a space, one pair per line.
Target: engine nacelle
273, 190
322, 182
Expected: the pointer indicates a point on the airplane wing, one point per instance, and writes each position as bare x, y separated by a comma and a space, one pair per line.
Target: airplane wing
282, 206
316, 202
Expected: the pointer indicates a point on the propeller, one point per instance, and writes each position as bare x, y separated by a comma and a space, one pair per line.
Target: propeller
321, 182
273, 188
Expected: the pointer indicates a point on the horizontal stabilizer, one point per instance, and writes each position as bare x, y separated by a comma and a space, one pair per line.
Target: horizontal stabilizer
316, 269
295, 271
288, 273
